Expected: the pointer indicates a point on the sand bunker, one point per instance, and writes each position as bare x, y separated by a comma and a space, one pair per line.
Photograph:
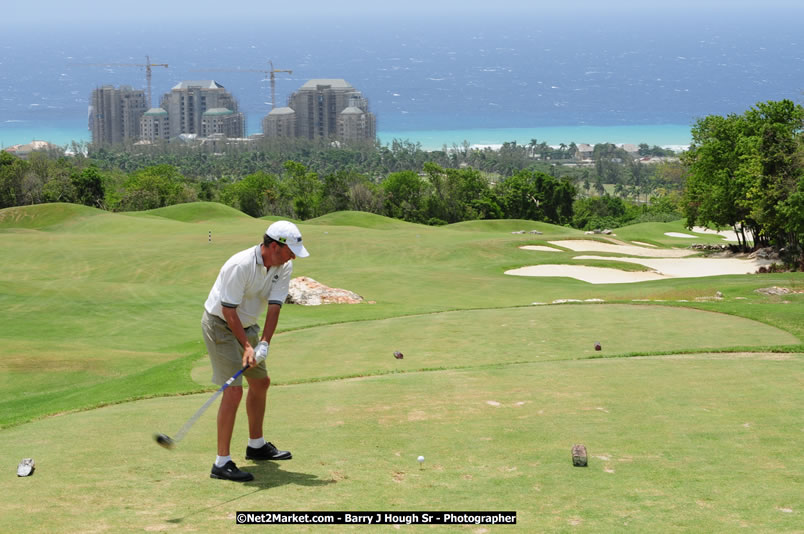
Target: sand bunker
540, 248
691, 267
679, 234
587, 245
664, 263
593, 275
728, 235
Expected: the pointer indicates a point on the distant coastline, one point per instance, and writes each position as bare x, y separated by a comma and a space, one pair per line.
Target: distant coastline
675, 136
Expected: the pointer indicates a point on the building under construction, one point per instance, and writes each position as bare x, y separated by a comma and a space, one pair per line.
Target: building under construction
196, 108
114, 115
323, 109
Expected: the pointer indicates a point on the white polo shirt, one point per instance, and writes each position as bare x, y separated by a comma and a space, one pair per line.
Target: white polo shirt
244, 283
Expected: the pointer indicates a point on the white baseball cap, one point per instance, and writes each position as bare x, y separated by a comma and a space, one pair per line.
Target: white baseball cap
288, 233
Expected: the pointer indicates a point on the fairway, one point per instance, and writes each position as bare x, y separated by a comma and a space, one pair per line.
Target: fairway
690, 412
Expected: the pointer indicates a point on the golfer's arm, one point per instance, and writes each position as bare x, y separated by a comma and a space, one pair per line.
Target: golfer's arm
233, 320
271, 319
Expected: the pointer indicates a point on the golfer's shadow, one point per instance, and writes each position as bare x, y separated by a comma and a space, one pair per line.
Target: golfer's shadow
271, 475
267, 475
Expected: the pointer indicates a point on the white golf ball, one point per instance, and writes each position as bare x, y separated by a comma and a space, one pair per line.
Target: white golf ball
420, 459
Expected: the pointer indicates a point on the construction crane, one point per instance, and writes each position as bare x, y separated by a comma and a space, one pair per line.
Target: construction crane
271, 73
147, 66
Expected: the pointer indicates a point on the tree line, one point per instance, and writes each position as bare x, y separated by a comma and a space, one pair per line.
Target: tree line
741, 171
747, 172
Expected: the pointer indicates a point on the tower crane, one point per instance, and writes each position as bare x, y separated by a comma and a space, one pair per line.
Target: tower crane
271, 73
273, 82
147, 66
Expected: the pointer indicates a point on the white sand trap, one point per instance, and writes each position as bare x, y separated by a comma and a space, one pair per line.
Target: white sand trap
587, 245
679, 234
641, 244
728, 235
691, 267
540, 248
593, 275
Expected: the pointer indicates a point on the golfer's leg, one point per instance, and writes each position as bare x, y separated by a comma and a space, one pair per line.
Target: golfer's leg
255, 404
227, 412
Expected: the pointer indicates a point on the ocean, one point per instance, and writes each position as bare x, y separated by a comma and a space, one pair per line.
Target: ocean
624, 78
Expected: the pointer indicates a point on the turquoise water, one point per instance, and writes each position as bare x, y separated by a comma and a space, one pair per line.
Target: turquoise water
673, 135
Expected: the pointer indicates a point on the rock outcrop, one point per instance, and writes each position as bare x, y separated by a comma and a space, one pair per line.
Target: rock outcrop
308, 292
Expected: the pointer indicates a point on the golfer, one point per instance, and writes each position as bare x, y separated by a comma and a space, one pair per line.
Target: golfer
248, 282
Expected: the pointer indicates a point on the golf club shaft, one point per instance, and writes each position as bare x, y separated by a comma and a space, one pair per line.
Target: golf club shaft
206, 405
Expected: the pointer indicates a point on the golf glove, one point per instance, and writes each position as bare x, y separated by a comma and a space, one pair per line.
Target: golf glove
261, 352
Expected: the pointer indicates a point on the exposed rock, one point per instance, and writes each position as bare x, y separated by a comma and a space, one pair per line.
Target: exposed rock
398, 355
535, 232
308, 292
708, 247
518, 232
774, 290
766, 253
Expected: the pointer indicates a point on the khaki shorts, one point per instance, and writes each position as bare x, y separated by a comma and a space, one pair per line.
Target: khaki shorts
226, 352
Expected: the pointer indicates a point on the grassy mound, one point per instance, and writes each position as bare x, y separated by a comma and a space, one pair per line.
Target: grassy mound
359, 219
45, 216
512, 225
195, 212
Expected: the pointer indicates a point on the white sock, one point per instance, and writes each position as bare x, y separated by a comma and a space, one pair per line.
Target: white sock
256, 443
220, 461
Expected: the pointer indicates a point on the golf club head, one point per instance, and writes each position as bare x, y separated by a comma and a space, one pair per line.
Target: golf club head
164, 440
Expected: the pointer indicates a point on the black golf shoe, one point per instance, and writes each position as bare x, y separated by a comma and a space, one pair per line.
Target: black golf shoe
267, 452
230, 472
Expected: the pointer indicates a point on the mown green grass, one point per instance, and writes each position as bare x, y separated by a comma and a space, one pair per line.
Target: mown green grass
99, 309
653, 233
674, 445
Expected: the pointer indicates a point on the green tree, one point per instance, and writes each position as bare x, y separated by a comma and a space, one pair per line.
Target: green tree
151, 188
12, 173
89, 188
405, 196
536, 196
304, 189
253, 194
743, 171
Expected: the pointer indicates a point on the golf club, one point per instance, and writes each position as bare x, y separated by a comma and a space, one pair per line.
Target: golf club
167, 442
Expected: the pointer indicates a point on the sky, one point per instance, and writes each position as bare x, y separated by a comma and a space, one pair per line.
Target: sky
21, 15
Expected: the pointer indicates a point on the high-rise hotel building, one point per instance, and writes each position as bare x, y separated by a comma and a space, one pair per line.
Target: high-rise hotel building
203, 108
323, 109
114, 114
